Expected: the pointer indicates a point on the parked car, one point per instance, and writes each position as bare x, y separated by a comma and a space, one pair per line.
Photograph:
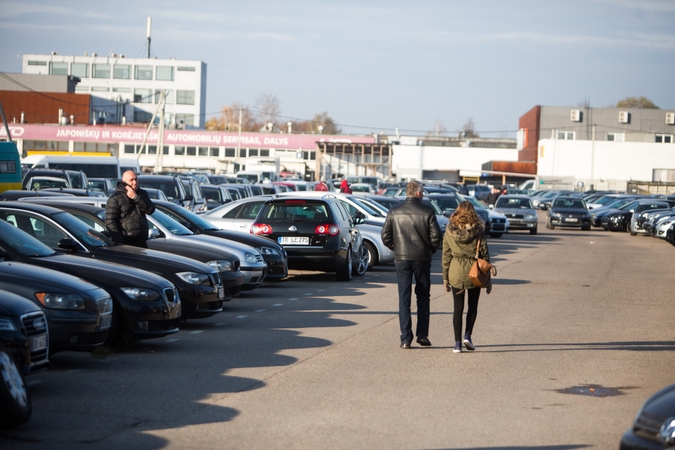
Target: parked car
480, 191
79, 312
104, 184
621, 219
215, 195
74, 178
172, 186
88, 192
496, 223
317, 232
237, 215
38, 183
273, 253
654, 424
519, 210
192, 188
662, 225
12, 195
634, 226
615, 205
200, 289
568, 212
24, 338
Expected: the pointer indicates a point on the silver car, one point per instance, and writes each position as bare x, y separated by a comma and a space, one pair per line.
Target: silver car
237, 215
519, 210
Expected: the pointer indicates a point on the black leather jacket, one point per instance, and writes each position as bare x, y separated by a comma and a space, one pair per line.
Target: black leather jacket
125, 217
411, 231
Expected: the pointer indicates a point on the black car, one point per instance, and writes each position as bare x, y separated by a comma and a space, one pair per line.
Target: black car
12, 195
23, 350
88, 192
171, 185
199, 285
654, 424
317, 232
72, 306
273, 253
568, 212
215, 195
193, 189
621, 219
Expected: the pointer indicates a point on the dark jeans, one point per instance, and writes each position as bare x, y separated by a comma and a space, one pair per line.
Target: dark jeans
421, 270
458, 311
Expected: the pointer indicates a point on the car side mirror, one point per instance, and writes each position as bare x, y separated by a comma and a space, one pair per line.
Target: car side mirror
68, 244
153, 233
359, 220
359, 215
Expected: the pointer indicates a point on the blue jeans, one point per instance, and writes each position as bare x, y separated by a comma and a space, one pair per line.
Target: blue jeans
421, 270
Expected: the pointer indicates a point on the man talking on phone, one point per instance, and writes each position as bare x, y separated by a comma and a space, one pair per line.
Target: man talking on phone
125, 212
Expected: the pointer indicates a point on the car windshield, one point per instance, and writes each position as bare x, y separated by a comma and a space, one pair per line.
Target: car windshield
518, 203
569, 203
170, 224
169, 188
188, 216
294, 211
22, 242
82, 231
369, 209
473, 200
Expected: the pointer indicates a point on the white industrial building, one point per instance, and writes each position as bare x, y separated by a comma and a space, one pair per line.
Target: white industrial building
136, 81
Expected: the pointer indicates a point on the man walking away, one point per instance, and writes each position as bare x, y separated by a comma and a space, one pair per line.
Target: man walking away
125, 212
412, 232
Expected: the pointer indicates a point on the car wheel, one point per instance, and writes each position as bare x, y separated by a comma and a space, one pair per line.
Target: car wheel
496, 235
345, 272
15, 403
372, 254
361, 265
533, 231
587, 227
549, 225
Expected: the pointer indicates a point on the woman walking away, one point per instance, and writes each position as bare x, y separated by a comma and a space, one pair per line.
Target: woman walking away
459, 249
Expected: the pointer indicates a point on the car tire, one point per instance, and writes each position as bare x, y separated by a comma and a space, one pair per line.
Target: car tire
587, 227
549, 225
345, 272
496, 235
372, 254
362, 258
533, 231
15, 403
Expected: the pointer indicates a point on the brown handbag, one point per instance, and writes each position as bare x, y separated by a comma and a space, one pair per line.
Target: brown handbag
482, 271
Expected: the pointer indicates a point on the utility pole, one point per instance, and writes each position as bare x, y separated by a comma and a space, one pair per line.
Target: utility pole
147, 33
239, 139
160, 147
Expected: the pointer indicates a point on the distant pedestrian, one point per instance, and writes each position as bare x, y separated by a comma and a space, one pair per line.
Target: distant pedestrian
321, 185
125, 212
412, 232
462, 234
493, 196
344, 187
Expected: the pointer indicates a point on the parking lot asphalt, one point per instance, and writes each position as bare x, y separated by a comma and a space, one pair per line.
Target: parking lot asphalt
577, 332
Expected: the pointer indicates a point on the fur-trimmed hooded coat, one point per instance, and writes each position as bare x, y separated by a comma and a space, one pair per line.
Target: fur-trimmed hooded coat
459, 249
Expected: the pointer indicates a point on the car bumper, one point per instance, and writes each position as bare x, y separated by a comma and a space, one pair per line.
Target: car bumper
253, 275
149, 319
629, 441
232, 283
69, 330
313, 259
200, 301
276, 268
514, 224
563, 223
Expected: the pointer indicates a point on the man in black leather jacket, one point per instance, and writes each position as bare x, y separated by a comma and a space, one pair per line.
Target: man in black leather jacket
125, 212
412, 232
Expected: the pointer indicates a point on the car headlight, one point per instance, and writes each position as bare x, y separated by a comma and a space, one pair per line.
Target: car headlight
141, 293
194, 277
555, 216
250, 258
269, 251
60, 301
6, 324
104, 304
221, 265
530, 216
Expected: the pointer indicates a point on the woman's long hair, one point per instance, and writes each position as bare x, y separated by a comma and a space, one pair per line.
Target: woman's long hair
465, 215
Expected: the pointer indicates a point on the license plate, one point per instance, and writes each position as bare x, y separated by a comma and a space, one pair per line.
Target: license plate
571, 219
106, 321
293, 240
221, 292
38, 343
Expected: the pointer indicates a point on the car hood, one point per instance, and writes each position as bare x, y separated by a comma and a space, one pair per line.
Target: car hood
41, 278
191, 247
14, 305
243, 238
568, 211
661, 404
509, 211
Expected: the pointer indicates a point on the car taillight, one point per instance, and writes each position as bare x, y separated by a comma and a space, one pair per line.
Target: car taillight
261, 228
330, 229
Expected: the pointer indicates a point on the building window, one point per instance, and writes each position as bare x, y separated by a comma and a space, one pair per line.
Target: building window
101, 71
185, 119
203, 151
37, 63
142, 96
100, 89
264, 152
129, 148
58, 68
93, 147
122, 71
186, 69
118, 89
242, 153
230, 152
81, 88
142, 116
151, 150
185, 97
214, 151
253, 152
143, 72
179, 150
7, 167
191, 151
616, 137
664, 138
169, 96
566, 135
164, 73
61, 146
80, 70
165, 150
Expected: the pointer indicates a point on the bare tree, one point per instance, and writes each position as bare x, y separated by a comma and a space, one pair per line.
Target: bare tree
469, 129
439, 129
321, 123
229, 119
636, 102
268, 108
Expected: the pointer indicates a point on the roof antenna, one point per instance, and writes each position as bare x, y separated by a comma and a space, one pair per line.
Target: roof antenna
148, 34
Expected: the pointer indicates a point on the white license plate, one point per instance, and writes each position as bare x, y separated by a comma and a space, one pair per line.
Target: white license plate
221, 293
293, 240
571, 219
38, 343
106, 321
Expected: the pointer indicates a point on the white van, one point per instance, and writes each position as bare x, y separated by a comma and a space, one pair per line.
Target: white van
258, 176
92, 166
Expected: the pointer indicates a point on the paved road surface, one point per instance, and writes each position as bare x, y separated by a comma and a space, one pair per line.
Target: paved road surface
310, 363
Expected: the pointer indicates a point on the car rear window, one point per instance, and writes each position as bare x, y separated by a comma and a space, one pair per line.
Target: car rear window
295, 210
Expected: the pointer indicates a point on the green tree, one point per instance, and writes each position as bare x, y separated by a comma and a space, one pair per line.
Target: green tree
636, 102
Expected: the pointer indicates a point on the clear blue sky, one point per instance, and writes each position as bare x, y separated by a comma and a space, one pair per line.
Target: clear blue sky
377, 65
